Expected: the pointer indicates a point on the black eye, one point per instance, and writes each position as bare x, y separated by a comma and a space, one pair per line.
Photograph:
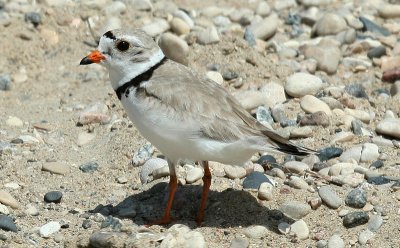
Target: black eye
122, 45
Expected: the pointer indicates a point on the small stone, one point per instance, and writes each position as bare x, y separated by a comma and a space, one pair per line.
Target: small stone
174, 48
379, 180
4, 209
193, 175
181, 236
365, 236
234, 172
284, 228
53, 196
353, 153
49, 228
329, 197
389, 127
160, 172
369, 152
325, 53
295, 209
395, 89
311, 104
84, 138
249, 37
377, 164
357, 198
31, 210
86, 224
55, 167
8, 200
89, 167
389, 75
319, 118
322, 244
301, 84
355, 219
295, 167
275, 94
239, 242
122, 180
265, 28
255, 232
329, 152
33, 17
369, 25
143, 5
115, 8
157, 27
143, 154
107, 239
5, 80
7, 223
265, 192
329, 24
300, 228
299, 183
301, 132
13, 121
254, 180
389, 10
208, 36
335, 242
376, 52
150, 166
215, 76
375, 223
263, 9
315, 203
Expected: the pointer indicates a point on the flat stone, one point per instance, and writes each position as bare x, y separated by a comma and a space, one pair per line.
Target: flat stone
89, 167
359, 114
326, 54
53, 196
295, 209
239, 242
301, 132
389, 127
208, 36
370, 152
254, 180
389, 10
179, 26
311, 104
55, 167
329, 197
375, 222
194, 174
107, 239
295, 167
49, 228
8, 200
265, 28
174, 48
215, 76
4, 209
157, 27
234, 172
319, 118
353, 153
7, 223
255, 232
301, 84
335, 241
274, 94
300, 228
181, 236
355, 219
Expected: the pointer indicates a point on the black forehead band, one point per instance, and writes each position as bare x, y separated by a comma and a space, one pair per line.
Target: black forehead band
110, 35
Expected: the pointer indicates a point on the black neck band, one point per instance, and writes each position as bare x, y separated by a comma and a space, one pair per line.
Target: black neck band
135, 82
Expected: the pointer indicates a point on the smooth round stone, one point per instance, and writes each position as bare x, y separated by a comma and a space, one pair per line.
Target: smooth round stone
301, 84
375, 223
295, 167
300, 228
7, 223
255, 232
265, 192
263, 115
194, 174
239, 242
33, 17
376, 52
359, 114
395, 89
115, 8
4, 209
301, 132
185, 17
298, 183
265, 28
174, 48
342, 137
208, 36
311, 104
365, 236
157, 27
370, 152
326, 54
329, 197
355, 219
215, 76
356, 90
8, 200
53, 196
329, 24
357, 198
335, 242
179, 26
55, 167
49, 228
295, 209
389, 10
322, 243
149, 167
31, 210
13, 121
221, 21
389, 127
263, 9
254, 180
315, 202
319, 118
89, 167
353, 153
274, 94
234, 172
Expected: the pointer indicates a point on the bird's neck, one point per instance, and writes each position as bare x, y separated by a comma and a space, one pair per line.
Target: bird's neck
119, 75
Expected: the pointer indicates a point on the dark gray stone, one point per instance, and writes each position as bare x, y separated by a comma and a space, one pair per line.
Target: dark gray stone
33, 17
89, 167
319, 166
254, 180
86, 224
329, 152
356, 126
249, 37
5, 82
356, 90
7, 223
357, 198
266, 159
53, 196
376, 52
355, 219
230, 75
377, 164
378, 180
373, 27
264, 115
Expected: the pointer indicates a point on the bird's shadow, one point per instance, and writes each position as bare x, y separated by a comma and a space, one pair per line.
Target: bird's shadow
229, 208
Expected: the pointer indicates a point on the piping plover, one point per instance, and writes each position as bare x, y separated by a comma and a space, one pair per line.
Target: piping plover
184, 114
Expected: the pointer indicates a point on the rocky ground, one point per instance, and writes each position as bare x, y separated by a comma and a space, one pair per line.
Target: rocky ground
74, 172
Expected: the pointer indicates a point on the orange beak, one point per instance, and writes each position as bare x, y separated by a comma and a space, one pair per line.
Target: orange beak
93, 57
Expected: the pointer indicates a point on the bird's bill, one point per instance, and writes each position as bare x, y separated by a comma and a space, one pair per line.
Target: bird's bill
93, 57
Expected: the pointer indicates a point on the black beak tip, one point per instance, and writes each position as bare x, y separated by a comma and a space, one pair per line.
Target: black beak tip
85, 61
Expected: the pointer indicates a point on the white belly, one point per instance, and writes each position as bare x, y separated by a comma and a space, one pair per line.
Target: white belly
178, 139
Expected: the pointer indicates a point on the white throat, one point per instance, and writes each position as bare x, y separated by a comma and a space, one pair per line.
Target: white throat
123, 73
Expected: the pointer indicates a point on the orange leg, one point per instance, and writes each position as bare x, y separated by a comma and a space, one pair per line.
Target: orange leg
173, 182
204, 195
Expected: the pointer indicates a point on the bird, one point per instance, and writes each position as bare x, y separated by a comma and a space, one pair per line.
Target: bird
185, 115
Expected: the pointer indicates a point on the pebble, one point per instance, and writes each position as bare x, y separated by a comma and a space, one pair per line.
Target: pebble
335, 241
327, 153
265, 28
84, 138
379, 180
143, 5
55, 167
215, 76
355, 219
107, 239
389, 127
375, 222
326, 54
299, 183
263, 9
359, 114
390, 75
329, 24
7, 223
354, 153
150, 166
174, 48
301, 132
295, 209
208, 36
234, 172
49, 228
300, 228
184, 16
143, 154
284, 228
301, 84
356, 198
180, 235
5, 80
8, 200
4, 209
255, 232
53, 196
369, 25
319, 118
329, 197
376, 52
315, 203
179, 26
13, 121
89, 167
295, 167
364, 236
33, 17
31, 210
274, 94
311, 104
254, 180
265, 192
194, 174
370, 152
389, 10
239, 242
395, 89
156, 27
115, 8
160, 172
